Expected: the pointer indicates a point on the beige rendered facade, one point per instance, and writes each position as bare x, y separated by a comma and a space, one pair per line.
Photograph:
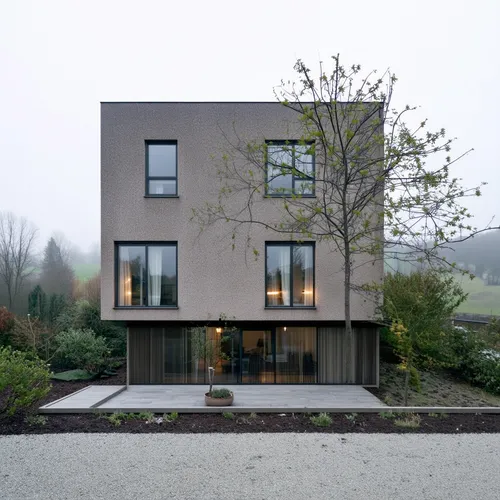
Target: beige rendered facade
140, 226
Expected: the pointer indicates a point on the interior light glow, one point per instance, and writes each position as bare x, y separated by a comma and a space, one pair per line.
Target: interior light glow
273, 293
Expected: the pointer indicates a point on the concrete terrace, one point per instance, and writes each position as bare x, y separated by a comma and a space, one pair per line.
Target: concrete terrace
190, 399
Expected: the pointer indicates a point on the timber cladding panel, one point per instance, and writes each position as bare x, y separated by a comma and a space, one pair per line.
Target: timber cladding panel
331, 369
147, 353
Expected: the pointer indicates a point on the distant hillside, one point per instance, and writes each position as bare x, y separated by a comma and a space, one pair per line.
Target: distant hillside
482, 251
85, 271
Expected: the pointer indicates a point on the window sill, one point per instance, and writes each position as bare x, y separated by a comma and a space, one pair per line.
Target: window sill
144, 308
301, 196
290, 308
161, 196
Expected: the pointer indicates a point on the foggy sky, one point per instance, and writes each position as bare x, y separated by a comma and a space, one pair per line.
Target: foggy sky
59, 59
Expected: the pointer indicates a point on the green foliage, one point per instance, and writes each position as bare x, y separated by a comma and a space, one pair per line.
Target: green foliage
438, 415
82, 349
228, 415
387, 415
221, 393
85, 315
46, 309
321, 420
170, 417
252, 416
411, 421
24, 380
116, 418
32, 335
36, 420
71, 375
352, 417
420, 306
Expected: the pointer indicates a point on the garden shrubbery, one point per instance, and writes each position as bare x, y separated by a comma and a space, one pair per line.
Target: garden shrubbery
419, 308
82, 348
24, 380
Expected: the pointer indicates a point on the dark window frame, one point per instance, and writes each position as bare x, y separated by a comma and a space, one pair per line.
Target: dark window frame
162, 178
293, 144
291, 244
146, 245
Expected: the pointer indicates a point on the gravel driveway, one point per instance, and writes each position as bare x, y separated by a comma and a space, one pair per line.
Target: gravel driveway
250, 466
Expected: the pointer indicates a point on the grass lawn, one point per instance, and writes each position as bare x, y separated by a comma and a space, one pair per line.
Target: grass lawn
85, 271
482, 299
438, 389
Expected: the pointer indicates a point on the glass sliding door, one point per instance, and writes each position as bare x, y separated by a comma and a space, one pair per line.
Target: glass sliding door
257, 358
227, 370
296, 355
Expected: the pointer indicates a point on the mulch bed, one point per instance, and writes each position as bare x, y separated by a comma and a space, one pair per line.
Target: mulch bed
206, 423
241, 423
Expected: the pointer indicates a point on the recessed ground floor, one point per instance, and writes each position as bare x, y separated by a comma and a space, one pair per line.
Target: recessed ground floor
190, 399
253, 353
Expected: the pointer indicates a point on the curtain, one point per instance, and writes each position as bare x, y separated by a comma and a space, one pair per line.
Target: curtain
125, 283
308, 276
284, 263
155, 275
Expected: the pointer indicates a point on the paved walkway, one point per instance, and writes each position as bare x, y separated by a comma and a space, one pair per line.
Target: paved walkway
190, 398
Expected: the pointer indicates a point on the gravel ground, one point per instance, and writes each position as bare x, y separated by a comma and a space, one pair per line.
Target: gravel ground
250, 466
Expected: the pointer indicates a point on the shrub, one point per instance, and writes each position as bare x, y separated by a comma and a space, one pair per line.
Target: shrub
23, 381
321, 420
221, 393
6, 325
474, 362
82, 349
31, 334
228, 415
36, 420
85, 315
170, 417
411, 421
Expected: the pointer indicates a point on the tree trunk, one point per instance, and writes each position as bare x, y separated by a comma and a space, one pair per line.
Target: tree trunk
349, 336
407, 380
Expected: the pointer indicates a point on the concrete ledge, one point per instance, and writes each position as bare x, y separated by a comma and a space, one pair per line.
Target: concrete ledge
256, 409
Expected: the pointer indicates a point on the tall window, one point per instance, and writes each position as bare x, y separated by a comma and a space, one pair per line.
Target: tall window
289, 275
147, 275
290, 168
161, 168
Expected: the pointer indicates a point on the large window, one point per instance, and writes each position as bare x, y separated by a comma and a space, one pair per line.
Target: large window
290, 168
147, 275
161, 168
289, 275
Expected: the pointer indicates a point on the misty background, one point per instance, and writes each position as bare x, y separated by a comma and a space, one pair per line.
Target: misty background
59, 59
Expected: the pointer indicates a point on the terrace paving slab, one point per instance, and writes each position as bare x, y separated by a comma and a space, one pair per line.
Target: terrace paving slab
190, 399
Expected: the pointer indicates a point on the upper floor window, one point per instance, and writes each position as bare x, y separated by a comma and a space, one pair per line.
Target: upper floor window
290, 168
161, 168
146, 274
290, 275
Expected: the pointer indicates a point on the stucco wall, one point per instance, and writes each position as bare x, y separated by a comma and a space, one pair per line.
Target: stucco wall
212, 278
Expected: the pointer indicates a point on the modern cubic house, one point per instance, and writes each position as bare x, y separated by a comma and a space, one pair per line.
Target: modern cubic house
162, 276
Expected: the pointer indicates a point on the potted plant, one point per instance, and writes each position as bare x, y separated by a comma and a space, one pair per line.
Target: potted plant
210, 349
217, 397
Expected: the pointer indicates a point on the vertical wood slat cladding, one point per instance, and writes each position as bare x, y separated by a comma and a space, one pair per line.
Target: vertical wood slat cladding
157, 354
331, 368
139, 355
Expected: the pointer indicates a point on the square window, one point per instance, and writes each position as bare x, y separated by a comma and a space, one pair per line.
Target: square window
146, 275
161, 168
290, 275
290, 169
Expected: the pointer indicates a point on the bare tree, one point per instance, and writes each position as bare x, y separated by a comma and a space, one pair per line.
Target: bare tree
370, 187
17, 239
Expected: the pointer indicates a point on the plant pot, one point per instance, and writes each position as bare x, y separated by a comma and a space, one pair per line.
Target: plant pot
209, 401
